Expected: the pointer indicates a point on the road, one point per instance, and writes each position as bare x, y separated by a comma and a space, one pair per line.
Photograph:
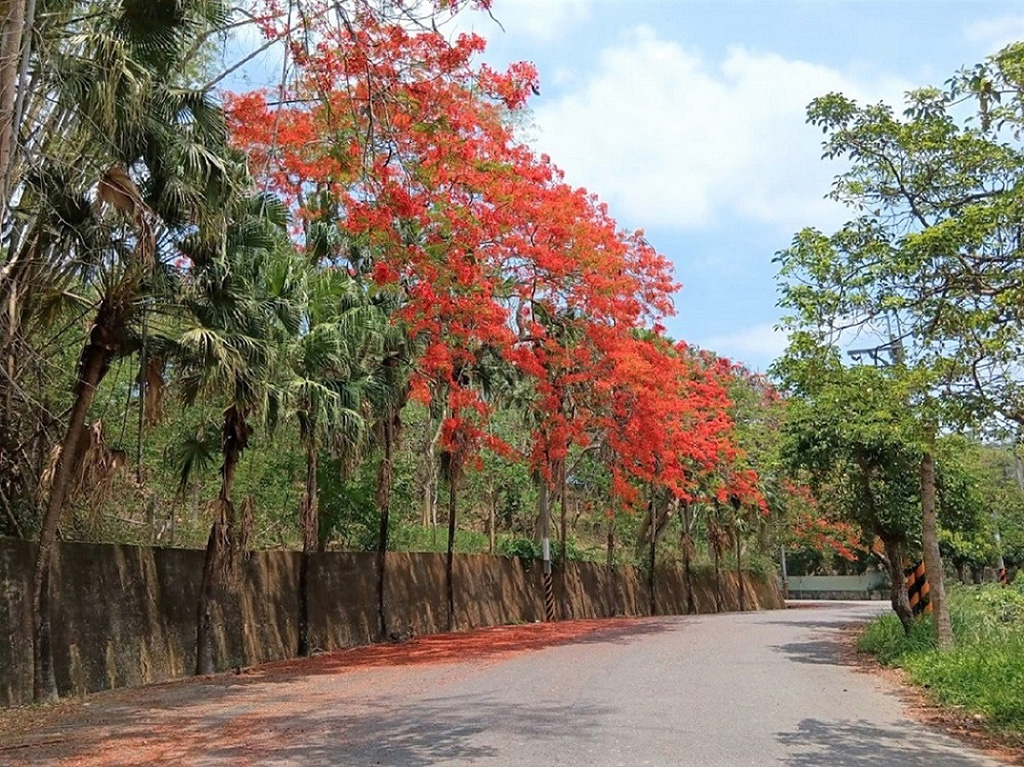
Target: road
741, 689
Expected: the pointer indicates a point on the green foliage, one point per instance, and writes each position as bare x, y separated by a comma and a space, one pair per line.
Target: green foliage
965, 550
931, 252
760, 563
525, 549
989, 614
886, 640
985, 673
348, 507
417, 538
850, 429
928, 272
996, 467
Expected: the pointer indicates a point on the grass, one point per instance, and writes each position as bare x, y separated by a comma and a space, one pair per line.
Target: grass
435, 539
984, 674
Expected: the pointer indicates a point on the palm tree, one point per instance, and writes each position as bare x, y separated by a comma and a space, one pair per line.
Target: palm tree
686, 521
242, 298
152, 155
390, 396
371, 373
739, 527
329, 380
491, 374
719, 537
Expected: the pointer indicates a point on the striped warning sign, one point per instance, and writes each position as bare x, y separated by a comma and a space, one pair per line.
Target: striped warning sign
917, 589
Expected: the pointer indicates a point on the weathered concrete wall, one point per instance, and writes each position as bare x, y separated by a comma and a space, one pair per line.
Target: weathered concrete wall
125, 616
870, 585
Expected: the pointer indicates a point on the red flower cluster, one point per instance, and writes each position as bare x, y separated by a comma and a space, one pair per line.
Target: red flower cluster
401, 142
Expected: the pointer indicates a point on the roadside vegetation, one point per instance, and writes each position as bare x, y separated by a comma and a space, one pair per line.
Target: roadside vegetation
984, 674
905, 329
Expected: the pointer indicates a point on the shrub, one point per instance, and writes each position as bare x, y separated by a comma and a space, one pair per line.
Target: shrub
525, 548
886, 640
985, 673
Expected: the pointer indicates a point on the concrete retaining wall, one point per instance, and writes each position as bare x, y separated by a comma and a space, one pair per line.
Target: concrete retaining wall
125, 616
870, 585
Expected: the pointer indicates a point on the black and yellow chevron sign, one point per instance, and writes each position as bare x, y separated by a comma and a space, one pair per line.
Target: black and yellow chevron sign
917, 589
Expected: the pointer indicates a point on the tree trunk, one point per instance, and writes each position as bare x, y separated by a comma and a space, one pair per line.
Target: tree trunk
13, 36
204, 627
739, 568
235, 438
428, 515
384, 479
717, 556
310, 539
652, 600
449, 570
686, 544
898, 584
140, 437
932, 557
492, 522
543, 501
104, 339
613, 605
564, 544
643, 537
894, 552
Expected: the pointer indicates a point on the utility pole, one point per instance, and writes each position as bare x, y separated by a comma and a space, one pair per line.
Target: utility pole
785, 576
545, 546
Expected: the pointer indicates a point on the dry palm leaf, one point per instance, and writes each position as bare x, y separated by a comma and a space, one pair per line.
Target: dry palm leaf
97, 466
117, 190
155, 385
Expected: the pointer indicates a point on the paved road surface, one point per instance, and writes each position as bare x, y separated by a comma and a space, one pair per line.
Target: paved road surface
730, 690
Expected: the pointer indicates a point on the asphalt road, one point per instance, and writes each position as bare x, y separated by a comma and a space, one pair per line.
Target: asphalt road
741, 689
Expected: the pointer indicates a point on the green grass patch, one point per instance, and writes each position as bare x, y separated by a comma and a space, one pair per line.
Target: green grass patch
984, 674
435, 539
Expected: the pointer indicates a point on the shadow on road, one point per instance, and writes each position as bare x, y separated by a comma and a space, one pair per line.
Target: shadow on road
821, 652
254, 715
855, 743
456, 730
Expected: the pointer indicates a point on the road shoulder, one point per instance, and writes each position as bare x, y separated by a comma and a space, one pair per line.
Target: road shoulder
919, 705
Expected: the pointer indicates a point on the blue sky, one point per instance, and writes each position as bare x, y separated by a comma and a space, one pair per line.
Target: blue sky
687, 118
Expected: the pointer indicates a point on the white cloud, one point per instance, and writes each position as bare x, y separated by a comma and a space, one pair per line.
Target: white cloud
757, 345
542, 21
670, 138
997, 33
